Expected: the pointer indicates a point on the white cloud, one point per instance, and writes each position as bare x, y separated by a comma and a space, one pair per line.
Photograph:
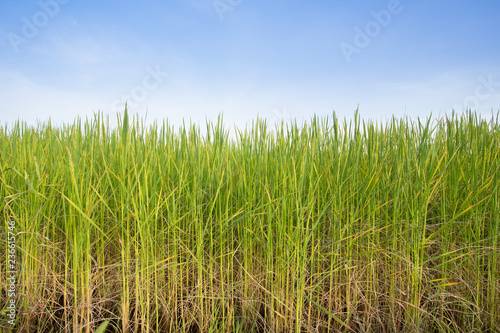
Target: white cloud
440, 94
81, 51
24, 99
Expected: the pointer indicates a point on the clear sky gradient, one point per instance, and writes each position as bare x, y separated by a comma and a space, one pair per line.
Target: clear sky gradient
194, 59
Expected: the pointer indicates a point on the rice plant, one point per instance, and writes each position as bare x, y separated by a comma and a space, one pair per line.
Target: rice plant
327, 226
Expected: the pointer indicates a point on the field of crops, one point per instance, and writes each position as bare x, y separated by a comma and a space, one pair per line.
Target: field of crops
329, 226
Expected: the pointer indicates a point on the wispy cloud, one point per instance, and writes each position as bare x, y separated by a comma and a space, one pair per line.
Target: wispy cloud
24, 99
265, 57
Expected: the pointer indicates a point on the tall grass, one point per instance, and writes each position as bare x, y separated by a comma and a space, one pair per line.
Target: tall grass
329, 226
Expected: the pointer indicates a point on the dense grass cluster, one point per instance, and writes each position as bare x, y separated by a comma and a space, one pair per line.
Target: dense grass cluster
329, 226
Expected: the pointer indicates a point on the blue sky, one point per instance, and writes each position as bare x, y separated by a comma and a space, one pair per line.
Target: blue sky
194, 59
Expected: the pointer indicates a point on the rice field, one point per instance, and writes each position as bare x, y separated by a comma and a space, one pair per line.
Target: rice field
327, 226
